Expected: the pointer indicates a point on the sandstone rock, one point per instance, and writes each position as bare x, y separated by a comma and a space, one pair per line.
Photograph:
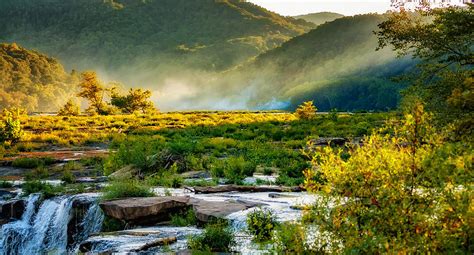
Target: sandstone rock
144, 211
207, 211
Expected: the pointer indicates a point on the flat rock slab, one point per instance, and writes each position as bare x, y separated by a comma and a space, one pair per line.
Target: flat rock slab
144, 211
207, 211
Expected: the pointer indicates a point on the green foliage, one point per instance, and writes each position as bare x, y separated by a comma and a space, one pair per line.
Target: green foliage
217, 237
291, 238
71, 108
47, 190
11, 130
306, 111
403, 183
31, 80
68, 177
92, 89
237, 168
261, 223
184, 220
5, 184
111, 224
442, 39
135, 100
125, 189
31, 163
180, 39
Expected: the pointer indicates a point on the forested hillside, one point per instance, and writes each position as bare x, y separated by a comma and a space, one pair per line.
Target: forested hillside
31, 80
336, 65
320, 17
126, 36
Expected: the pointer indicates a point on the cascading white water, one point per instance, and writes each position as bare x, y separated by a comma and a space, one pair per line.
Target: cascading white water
92, 223
46, 231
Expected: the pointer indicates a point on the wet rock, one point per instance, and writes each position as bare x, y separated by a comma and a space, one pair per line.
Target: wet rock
145, 211
235, 188
325, 141
156, 243
207, 211
89, 180
279, 195
12, 210
7, 194
196, 175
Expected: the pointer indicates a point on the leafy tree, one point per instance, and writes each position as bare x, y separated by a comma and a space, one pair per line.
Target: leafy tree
71, 108
135, 100
11, 130
443, 39
389, 196
94, 91
306, 111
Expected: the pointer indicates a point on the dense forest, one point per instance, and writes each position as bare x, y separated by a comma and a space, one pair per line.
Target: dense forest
320, 17
31, 80
336, 65
110, 35
213, 54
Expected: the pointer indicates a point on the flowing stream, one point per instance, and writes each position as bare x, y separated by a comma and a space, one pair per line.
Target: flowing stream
43, 228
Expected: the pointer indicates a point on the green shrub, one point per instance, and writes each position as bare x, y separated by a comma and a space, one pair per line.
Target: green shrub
71, 108
217, 237
31, 163
111, 225
260, 224
39, 173
68, 177
237, 168
11, 130
184, 220
306, 111
290, 238
5, 185
126, 188
47, 190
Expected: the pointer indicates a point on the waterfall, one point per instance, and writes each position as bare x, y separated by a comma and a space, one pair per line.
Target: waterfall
45, 231
92, 223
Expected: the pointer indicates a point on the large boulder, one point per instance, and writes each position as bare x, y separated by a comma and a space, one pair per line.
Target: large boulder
207, 211
144, 211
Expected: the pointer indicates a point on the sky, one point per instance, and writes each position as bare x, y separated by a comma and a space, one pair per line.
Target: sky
346, 7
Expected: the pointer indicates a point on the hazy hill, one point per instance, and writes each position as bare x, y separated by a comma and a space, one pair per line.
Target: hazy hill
320, 17
146, 37
335, 64
32, 80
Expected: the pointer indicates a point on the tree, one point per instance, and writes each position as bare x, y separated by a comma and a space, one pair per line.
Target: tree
403, 193
306, 111
94, 91
443, 39
135, 100
71, 108
11, 130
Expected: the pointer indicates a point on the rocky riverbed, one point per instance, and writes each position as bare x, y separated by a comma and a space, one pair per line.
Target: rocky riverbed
72, 223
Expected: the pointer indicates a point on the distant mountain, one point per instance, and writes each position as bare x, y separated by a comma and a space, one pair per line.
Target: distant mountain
320, 17
31, 80
146, 38
336, 65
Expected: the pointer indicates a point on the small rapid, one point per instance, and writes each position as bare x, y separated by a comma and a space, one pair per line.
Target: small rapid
43, 227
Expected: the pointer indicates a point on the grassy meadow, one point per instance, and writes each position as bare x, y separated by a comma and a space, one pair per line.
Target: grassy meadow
230, 145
